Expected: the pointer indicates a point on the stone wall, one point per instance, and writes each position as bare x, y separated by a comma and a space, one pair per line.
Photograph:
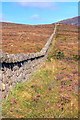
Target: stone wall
17, 68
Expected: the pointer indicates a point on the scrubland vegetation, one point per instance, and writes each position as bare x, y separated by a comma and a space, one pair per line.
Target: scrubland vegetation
17, 38
52, 92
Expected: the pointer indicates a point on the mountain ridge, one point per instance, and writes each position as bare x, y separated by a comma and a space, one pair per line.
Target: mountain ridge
72, 21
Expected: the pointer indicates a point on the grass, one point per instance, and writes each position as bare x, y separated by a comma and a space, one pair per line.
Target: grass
50, 93
43, 96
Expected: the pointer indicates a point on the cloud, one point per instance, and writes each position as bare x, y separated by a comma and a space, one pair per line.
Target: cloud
37, 4
1, 18
27, 0
35, 17
39, 0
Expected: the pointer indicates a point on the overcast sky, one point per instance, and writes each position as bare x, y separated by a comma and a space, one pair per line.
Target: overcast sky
37, 12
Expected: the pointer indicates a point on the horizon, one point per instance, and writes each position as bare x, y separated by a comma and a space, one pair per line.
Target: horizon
37, 13
36, 24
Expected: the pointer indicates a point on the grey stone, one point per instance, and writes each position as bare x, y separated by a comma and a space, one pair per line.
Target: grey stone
21, 66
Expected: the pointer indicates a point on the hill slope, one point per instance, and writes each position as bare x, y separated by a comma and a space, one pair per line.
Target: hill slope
52, 92
72, 21
20, 38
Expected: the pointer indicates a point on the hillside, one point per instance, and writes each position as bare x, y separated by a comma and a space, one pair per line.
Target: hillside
72, 21
20, 38
17, 38
52, 92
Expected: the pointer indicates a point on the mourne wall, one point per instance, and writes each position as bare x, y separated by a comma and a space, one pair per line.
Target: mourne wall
17, 68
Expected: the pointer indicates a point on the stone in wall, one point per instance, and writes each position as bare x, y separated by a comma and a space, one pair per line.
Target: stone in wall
17, 68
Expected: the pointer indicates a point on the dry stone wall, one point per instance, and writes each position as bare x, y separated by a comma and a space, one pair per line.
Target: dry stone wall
17, 68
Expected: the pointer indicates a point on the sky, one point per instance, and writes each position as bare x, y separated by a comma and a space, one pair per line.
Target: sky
37, 12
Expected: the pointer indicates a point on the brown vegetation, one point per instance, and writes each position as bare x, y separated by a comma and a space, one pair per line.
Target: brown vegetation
53, 91
17, 38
